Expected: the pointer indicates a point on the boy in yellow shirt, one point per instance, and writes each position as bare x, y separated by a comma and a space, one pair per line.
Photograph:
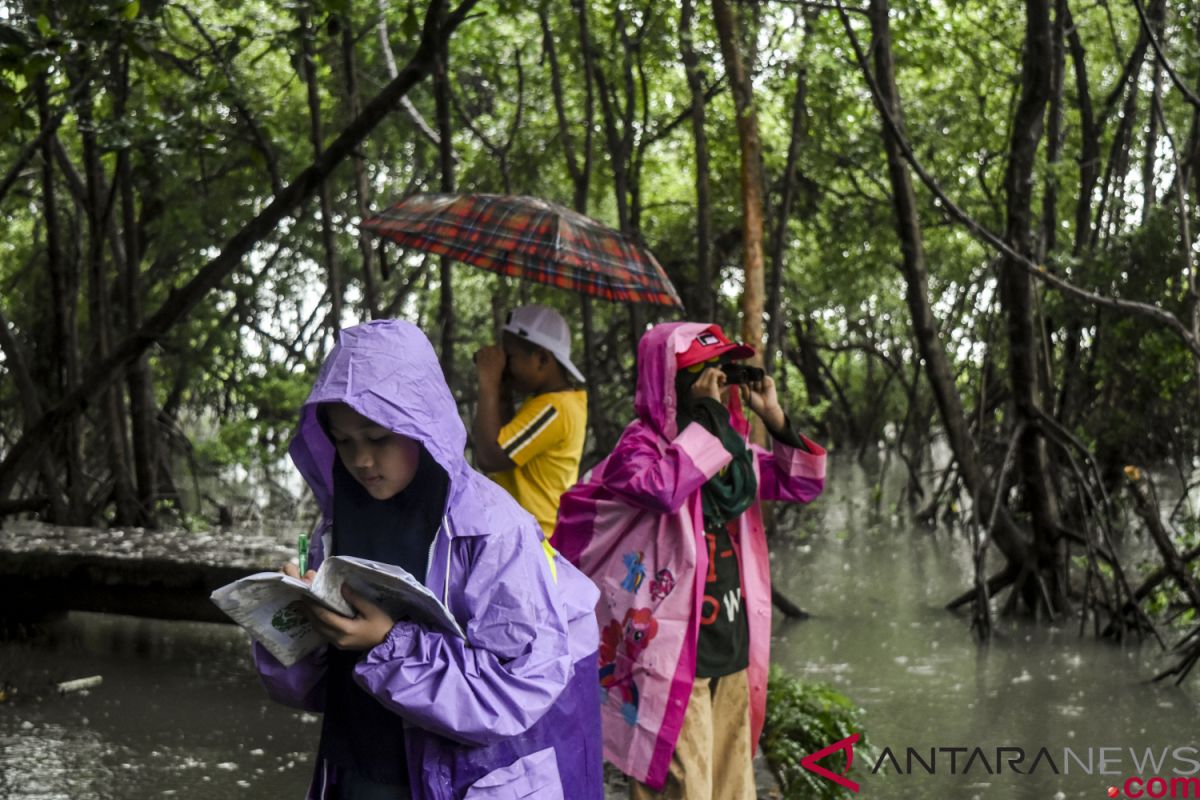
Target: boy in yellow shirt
535, 454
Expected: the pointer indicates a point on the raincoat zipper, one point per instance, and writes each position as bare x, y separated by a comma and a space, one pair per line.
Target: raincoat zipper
429, 560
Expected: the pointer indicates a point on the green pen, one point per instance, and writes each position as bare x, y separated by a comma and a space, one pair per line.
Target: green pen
302, 551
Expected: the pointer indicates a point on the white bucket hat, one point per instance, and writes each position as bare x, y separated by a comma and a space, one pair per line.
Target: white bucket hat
546, 328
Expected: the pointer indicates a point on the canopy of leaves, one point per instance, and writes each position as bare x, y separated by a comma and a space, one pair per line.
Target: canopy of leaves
139, 137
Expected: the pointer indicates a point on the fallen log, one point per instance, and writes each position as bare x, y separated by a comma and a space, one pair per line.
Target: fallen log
47, 570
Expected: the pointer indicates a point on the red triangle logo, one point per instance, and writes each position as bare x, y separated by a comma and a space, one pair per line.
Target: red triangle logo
809, 762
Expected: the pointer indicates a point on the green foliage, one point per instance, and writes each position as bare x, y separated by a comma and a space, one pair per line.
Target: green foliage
205, 102
1168, 598
1141, 396
258, 434
803, 718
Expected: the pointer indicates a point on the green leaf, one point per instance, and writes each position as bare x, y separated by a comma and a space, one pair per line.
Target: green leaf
336, 6
131, 9
14, 38
36, 65
411, 25
803, 717
139, 49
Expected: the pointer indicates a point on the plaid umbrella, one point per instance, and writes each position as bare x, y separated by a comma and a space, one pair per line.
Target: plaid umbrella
525, 237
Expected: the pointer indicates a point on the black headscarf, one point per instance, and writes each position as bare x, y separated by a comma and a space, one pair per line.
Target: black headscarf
358, 732
731, 491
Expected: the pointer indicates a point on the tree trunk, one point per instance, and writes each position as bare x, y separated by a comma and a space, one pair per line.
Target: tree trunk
635, 146
316, 136
1089, 172
1047, 240
580, 170
619, 140
704, 294
938, 369
775, 339
1017, 300
1049, 229
63, 359
753, 289
181, 301
441, 93
140, 382
1112, 201
362, 189
111, 399
1150, 150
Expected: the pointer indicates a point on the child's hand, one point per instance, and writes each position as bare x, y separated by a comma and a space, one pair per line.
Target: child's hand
361, 632
293, 571
761, 397
489, 364
710, 384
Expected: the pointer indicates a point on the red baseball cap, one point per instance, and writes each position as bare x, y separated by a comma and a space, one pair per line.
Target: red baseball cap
711, 343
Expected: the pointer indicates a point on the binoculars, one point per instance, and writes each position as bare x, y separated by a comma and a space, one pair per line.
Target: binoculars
742, 373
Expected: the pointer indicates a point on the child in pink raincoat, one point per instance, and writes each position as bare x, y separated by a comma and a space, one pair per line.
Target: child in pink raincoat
669, 528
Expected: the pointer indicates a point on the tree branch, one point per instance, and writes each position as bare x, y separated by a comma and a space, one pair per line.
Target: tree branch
48, 129
180, 302
1162, 57
982, 233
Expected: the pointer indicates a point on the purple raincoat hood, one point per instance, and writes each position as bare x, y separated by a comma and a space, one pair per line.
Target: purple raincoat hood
503, 708
655, 401
387, 371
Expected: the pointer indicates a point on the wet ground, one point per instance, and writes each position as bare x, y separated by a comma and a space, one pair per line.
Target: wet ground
180, 714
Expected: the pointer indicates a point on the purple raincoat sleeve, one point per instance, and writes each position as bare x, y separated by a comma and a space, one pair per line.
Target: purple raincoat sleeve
512, 668
301, 685
662, 481
790, 474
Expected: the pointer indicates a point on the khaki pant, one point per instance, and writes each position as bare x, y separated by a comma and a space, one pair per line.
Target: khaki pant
712, 759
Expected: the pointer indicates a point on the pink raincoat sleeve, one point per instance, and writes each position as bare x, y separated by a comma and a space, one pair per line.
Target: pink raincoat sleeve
514, 666
789, 473
660, 480
301, 685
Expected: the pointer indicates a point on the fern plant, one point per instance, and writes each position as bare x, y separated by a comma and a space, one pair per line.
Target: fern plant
803, 718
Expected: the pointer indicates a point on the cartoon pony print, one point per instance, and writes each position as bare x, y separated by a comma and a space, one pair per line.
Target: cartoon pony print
635, 571
621, 643
661, 586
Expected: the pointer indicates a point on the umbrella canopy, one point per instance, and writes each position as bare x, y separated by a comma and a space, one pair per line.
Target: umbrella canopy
525, 237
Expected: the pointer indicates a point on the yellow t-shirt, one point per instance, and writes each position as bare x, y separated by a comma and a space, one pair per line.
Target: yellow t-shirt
545, 441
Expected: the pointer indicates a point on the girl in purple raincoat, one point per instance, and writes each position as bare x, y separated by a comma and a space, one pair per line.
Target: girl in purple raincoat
669, 528
510, 712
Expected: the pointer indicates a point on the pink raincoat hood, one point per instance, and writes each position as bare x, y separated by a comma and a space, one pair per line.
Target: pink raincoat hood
634, 525
655, 401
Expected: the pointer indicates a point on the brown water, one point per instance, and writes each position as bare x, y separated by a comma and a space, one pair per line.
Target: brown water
877, 589
180, 713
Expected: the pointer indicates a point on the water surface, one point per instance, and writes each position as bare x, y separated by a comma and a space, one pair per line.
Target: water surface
180, 713
877, 588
